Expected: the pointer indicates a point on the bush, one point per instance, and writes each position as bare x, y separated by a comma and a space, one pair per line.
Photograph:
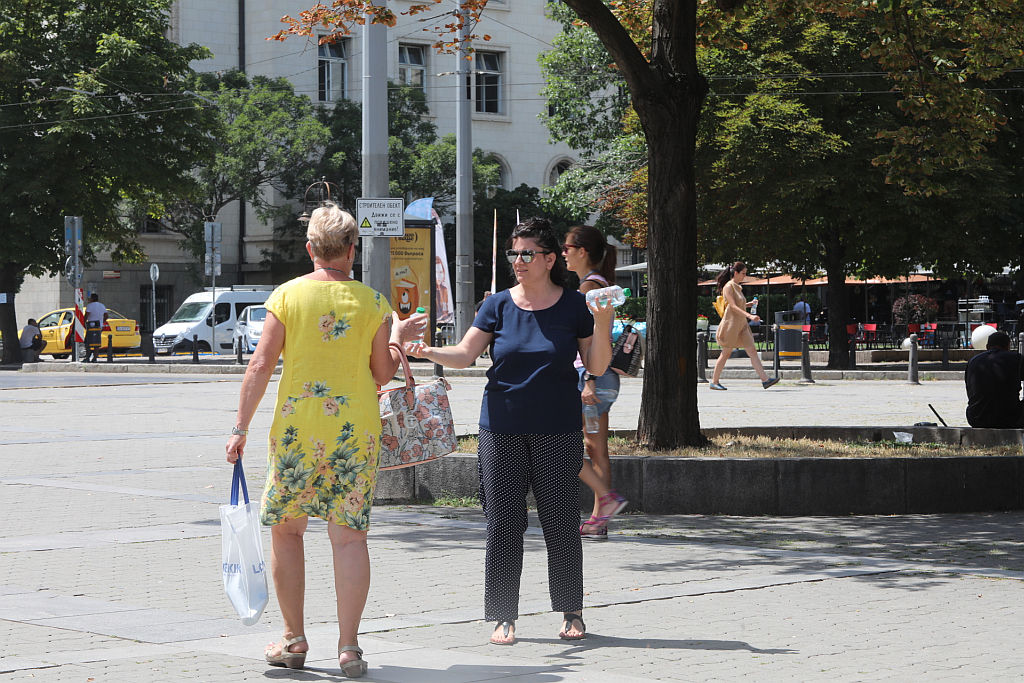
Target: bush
634, 308
914, 309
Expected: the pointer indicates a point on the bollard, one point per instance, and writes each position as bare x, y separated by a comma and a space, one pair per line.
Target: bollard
110, 348
152, 351
853, 353
775, 351
195, 348
238, 349
702, 357
945, 354
912, 364
805, 359
1020, 343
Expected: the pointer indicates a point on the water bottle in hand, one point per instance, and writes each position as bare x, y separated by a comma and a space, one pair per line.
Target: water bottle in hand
420, 336
614, 295
753, 307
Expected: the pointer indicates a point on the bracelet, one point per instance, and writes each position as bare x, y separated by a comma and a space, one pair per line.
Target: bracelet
235, 431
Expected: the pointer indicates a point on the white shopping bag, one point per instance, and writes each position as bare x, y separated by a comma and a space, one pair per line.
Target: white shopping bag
245, 577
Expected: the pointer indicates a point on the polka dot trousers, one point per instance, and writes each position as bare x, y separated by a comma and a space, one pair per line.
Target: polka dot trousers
509, 466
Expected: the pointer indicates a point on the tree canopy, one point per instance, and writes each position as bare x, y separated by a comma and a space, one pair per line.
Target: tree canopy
94, 114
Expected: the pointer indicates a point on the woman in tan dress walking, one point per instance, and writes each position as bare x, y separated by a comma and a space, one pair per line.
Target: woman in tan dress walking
734, 332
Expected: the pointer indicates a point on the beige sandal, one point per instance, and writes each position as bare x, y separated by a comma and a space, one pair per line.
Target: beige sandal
353, 668
292, 660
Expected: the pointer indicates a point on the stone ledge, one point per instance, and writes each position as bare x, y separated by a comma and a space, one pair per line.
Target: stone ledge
757, 486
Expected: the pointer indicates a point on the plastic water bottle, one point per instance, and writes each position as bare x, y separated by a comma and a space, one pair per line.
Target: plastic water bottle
591, 417
420, 337
614, 295
753, 307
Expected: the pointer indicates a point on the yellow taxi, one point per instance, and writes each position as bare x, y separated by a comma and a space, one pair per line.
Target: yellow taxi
56, 327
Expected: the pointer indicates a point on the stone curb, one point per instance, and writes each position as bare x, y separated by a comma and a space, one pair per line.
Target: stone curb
784, 486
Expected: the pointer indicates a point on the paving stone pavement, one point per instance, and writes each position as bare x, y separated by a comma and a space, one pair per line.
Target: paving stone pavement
109, 561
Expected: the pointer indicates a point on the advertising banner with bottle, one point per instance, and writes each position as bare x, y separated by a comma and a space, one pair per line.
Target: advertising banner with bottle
411, 270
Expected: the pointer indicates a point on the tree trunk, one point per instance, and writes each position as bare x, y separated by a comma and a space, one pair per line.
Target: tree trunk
11, 276
667, 91
838, 305
668, 408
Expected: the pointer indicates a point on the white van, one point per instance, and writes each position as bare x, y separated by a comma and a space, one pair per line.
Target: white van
198, 314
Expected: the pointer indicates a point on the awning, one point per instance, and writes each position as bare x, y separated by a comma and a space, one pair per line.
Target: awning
642, 266
876, 280
776, 280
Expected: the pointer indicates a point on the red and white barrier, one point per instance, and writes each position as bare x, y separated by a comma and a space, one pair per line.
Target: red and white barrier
79, 315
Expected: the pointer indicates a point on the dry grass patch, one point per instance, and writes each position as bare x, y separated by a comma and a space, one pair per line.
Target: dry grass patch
765, 447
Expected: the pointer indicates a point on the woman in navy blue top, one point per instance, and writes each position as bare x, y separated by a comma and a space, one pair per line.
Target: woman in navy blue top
530, 427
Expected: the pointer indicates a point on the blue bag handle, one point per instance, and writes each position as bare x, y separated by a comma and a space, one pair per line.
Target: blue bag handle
238, 478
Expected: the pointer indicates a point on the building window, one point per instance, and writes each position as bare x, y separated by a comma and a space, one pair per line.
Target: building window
332, 71
412, 68
150, 226
488, 83
557, 170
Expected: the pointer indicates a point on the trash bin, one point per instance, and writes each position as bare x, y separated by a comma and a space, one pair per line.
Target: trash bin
790, 325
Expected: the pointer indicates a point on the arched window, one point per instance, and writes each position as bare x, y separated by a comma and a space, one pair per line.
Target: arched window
559, 167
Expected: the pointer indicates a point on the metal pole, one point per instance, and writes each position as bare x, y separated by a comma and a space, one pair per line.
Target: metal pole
1020, 343
945, 353
805, 359
152, 306
213, 309
110, 348
195, 348
912, 364
464, 304
853, 353
238, 349
376, 250
702, 357
775, 360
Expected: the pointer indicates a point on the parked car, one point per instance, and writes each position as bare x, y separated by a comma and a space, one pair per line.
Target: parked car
249, 328
56, 326
199, 313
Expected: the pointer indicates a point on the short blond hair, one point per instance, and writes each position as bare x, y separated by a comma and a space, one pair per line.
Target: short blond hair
331, 232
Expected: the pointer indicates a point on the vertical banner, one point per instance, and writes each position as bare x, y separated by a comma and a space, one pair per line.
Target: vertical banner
411, 270
442, 278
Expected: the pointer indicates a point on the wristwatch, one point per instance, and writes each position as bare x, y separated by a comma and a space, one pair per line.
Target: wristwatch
587, 377
235, 431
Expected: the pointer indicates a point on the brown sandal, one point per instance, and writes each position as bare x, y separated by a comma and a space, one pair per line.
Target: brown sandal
353, 668
292, 660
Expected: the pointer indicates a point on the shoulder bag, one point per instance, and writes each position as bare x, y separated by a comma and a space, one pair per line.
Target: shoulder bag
416, 421
627, 352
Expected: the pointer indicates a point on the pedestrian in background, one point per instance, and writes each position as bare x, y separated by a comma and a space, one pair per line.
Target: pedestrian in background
588, 255
993, 380
530, 422
734, 331
340, 340
31, 342
95, 316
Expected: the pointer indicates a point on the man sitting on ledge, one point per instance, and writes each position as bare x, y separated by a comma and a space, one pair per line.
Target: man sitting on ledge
993, 386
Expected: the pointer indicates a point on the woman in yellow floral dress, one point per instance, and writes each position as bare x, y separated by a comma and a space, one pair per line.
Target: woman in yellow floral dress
335, 335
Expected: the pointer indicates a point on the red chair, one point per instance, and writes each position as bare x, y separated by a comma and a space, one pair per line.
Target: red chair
852, 331
869, 332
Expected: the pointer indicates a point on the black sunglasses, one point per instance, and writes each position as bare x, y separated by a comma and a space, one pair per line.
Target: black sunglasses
525, 254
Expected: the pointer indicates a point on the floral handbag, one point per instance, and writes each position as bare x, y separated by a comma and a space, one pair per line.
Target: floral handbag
416, 422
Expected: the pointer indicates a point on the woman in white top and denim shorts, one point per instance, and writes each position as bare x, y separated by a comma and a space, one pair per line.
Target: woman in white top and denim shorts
589, 255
